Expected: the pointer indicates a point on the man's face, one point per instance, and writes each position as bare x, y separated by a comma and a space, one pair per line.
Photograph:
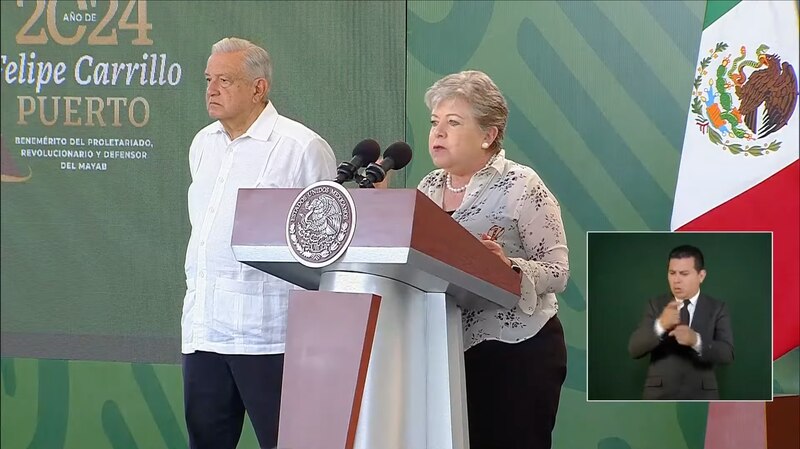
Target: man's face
230, 94
684, 280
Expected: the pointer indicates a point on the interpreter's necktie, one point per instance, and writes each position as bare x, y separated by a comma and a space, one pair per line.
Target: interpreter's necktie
685, 312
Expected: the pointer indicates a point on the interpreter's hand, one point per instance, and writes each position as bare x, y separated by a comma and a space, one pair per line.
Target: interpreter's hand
684, 334
670, 317
495, 247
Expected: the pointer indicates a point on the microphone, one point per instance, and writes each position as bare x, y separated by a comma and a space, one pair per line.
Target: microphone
366, 152
396, 156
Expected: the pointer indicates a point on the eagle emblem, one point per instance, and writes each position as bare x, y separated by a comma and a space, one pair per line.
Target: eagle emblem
747, 99
320, 224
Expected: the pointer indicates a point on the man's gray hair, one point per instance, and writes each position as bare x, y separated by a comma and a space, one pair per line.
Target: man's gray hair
257, 62
488, 104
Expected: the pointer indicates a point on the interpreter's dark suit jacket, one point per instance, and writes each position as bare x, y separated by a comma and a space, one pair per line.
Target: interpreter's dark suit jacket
679, 372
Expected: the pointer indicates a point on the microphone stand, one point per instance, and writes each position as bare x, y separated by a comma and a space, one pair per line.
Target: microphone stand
363, 182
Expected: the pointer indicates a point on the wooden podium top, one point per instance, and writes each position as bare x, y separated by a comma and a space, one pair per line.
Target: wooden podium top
397, 227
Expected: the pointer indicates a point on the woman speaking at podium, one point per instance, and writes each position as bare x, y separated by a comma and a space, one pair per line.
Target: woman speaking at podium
515, 360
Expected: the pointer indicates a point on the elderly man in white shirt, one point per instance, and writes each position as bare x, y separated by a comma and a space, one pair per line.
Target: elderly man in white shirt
234, 316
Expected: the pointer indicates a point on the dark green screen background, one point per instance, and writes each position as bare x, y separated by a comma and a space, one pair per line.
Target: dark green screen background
626, 270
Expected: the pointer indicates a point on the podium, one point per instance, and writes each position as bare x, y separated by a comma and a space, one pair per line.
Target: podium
374, 351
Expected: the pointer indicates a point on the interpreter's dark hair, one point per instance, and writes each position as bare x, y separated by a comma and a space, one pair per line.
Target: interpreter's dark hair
686, 251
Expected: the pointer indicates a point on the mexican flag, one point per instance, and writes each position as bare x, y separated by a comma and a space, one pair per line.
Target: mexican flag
739, 167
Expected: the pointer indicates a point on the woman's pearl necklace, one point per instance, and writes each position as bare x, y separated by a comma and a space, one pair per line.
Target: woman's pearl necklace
449, 183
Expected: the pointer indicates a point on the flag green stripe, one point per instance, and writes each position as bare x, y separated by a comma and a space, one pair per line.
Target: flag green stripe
716, 9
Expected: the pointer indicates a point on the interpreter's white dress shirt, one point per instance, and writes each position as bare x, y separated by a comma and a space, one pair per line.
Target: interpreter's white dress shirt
510, 202
229, 307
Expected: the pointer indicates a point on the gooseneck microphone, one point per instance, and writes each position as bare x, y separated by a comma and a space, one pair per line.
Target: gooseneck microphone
396, 156
365, 153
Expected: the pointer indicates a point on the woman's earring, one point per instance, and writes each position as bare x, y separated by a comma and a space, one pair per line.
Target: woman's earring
485, 145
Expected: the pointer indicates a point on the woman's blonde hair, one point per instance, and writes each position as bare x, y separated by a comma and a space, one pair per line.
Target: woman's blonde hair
488, 104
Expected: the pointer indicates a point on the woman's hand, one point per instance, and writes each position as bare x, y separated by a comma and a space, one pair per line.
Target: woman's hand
385, 183
495, 247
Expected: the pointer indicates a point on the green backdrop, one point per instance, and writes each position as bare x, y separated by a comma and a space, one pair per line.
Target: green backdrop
93, 259
625, 270
91, 262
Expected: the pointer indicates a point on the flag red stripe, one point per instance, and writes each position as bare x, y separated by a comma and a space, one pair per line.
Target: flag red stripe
773, 205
